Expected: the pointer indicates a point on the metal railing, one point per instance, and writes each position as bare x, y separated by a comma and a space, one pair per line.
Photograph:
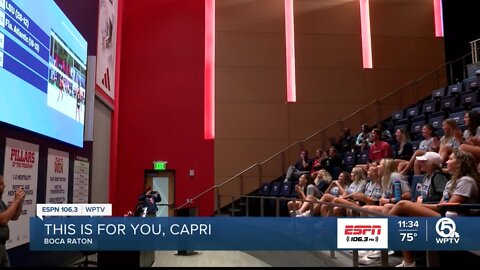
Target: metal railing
252, 177
475, 47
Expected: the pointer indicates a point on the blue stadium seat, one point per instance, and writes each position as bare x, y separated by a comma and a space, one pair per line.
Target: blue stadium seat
286, 189
454, 89
416, 186
349, 161
475, 107
363, 157
402, 123
412, 111
458, 117
397, 115
429, 106
448, 103
470, 83
264, 189
438, 93
440, 132
275, 188
468, 98
415, 144
436, 122
416, 126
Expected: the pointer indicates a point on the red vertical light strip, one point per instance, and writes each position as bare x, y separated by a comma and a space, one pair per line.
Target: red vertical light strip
290, 51
366, 36
209, 99
437, 11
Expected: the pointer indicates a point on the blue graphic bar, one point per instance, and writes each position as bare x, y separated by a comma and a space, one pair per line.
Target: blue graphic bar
25, 57
253, 233
135, 233
26, 38
26, 22
26, 74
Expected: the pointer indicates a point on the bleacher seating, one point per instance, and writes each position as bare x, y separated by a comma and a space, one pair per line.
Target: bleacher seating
275, 189
349, 161
448, 102
363, 157
438, 93
458, 116
264, 189
468, 98
286, 189
412, 111
429, 106
470, 83
454, 89
436, 120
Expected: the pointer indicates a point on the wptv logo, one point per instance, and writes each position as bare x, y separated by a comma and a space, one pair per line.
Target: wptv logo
362, 233
446, 229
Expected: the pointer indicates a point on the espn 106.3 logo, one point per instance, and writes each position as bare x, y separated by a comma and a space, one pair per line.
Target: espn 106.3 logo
363, 233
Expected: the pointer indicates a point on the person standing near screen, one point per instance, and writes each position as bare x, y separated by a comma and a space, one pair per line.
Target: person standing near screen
148, 201
78, 96
7, 213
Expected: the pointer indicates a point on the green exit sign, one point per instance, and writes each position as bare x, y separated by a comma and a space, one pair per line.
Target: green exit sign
159, 165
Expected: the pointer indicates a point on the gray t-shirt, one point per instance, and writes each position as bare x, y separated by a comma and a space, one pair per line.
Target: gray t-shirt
373, 190
356, 186
426, 145
466, 187
313, 191
403, 184
451, 142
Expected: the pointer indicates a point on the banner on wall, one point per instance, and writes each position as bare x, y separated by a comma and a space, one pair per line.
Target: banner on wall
57, 177
81, 179
21, 169
107, 46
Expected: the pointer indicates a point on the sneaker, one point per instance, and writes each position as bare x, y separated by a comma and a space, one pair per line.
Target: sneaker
365, 260
391, 252
362, 253
405, 264
307, 213
294, 213
375, 254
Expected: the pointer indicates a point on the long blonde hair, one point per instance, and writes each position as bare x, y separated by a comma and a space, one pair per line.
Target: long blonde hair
389, 167
358, 174
327, 177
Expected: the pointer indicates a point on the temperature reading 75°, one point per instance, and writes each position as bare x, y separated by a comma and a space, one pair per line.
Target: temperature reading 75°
409, 236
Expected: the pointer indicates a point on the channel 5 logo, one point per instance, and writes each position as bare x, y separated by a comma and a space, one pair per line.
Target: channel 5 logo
362, 233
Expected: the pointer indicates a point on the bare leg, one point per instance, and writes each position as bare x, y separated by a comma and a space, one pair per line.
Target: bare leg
387, 207
407, 256
412, 161
324, 208
339, 212
307, 205
406, 208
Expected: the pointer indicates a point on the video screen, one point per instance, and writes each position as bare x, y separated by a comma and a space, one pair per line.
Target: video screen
43, 67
